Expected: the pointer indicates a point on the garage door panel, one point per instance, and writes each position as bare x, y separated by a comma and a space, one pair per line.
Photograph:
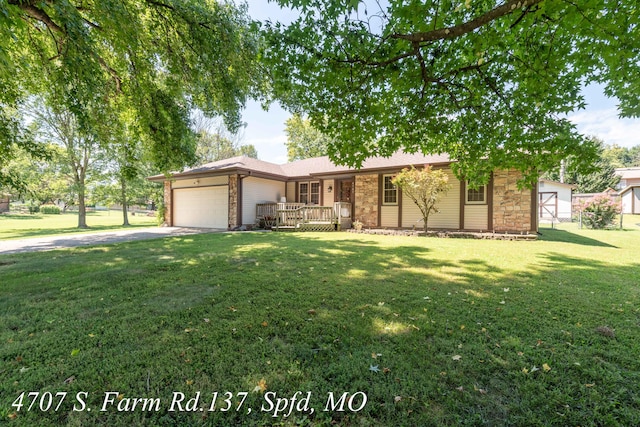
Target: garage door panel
206, 207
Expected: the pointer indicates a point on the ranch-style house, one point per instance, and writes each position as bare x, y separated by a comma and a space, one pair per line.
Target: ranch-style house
317, 194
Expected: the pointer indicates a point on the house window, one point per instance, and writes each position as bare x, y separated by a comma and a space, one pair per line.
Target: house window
390, 191
315, 193
309, 193
476, 196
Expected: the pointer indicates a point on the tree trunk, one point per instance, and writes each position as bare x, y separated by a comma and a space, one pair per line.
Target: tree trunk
81, 173
82, 209
123, 189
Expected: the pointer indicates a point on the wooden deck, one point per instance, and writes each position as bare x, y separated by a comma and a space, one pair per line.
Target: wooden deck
301, 217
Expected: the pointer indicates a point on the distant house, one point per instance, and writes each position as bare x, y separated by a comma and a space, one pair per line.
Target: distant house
241, 192
628, 177
554, 201
629, 188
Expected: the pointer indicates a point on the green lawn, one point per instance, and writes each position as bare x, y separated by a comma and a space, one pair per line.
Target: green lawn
432, 331
21, 226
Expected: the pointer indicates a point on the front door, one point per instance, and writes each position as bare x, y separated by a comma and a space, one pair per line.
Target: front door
346, 192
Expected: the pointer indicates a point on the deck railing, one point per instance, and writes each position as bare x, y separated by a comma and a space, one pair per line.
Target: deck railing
301, 216
267, 213
305, 215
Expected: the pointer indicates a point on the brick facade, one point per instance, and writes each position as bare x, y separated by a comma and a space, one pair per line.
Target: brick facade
366, 200
168, 204
512, 208
233, 201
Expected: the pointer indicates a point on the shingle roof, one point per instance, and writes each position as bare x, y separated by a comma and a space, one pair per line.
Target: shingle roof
233, 164
307, 167
324, 166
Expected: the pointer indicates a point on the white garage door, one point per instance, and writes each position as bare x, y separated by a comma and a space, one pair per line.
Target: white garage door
206, 207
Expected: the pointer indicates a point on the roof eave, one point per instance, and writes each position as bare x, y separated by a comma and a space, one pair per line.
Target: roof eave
214, 173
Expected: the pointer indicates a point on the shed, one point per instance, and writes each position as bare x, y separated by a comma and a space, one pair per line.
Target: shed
630, 198
554, 201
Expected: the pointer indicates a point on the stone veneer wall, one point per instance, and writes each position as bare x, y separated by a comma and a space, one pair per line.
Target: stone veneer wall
233, 201
168, 204
366, 200
511, 206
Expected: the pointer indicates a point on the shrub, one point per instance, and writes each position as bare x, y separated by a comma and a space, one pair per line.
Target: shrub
160, 214
50, 209
34, 209
600, 212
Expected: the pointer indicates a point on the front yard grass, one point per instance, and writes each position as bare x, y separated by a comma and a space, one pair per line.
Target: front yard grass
441, 332
22, 226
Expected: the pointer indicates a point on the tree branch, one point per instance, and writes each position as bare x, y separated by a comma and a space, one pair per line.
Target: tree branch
467, 27
40, 15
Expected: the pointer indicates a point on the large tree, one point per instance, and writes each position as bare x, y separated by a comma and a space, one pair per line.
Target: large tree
488, 82
218, 146
216, 142
157, 58
81, 152
622, 157
303, 140
601, 177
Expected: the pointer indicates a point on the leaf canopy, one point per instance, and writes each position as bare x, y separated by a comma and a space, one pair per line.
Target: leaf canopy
488, 82
157, 59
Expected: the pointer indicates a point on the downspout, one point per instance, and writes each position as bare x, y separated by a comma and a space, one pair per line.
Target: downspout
239, 199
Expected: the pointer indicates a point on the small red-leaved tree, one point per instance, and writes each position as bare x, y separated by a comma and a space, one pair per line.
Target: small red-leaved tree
425, 187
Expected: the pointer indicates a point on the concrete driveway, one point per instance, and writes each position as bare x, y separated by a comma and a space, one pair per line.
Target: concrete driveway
36, 244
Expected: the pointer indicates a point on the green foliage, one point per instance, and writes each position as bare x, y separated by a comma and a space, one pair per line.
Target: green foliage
425, 187
622, 157
160, 214
599, 177
600, 212
490, 83
50, 209
303, 140
216, 146
155, 60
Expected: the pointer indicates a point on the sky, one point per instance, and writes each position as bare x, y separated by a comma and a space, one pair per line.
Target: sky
266, 129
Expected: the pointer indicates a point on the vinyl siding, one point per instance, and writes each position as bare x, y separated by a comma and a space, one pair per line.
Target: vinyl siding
258, 190
389, 216
327, 198
449, 206
564, 204
291, 192
631, 201
564, 199
475, 217
627, 202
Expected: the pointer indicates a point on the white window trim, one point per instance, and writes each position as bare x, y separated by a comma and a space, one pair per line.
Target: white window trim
383, 191
309, 192
475, 202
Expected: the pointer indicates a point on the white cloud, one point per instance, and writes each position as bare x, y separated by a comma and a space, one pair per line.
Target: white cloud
606, 125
